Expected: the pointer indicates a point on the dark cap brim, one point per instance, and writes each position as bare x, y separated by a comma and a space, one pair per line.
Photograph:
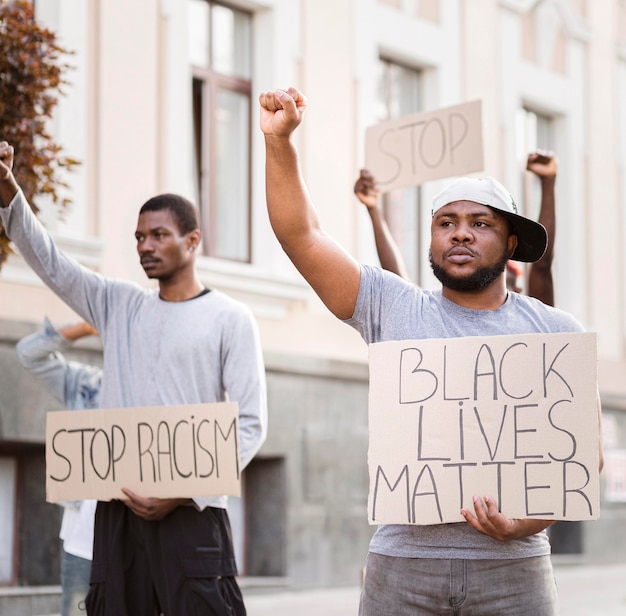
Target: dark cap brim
532, 237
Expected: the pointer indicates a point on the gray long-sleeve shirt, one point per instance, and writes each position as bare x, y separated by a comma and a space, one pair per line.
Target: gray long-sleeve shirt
156, 352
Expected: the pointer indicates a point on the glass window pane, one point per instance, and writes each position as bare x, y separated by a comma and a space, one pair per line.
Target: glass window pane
402, 215
404, 95
231, 176
534, 132
198, 33
197, 98
8, 473
399, 94
544, 132
230, 42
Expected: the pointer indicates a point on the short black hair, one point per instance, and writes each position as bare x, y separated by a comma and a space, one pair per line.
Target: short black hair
184, 211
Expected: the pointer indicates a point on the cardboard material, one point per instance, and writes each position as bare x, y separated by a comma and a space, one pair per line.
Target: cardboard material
164, 451
425, 146
513, 417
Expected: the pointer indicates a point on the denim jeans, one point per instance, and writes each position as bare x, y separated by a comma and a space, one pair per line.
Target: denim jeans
75, 573
396, 586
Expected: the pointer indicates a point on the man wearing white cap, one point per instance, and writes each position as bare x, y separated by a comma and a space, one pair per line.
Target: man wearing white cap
489, 564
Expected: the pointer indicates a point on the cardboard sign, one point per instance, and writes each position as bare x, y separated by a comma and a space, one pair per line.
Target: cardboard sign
165, 451
425, 146
513, 417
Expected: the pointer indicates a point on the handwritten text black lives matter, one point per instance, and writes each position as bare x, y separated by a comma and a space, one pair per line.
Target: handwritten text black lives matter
514, 417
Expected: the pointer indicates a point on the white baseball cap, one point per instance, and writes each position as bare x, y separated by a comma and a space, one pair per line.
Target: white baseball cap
532, 237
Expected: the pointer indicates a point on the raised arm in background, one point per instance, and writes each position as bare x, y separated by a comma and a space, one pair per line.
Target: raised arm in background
389, 255
540, 283
75, 385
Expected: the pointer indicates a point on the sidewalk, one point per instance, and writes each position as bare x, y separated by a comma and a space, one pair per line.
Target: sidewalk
591, 590
584, 590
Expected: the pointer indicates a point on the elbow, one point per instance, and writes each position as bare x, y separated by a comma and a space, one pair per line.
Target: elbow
21, 350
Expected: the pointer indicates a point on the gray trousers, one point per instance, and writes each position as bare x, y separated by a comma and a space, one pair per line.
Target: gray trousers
396, 586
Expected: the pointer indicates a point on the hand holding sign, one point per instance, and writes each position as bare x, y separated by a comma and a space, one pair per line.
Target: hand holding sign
151, 509
489, 521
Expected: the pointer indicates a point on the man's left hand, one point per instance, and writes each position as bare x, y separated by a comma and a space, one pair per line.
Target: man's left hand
151, 509
489, 521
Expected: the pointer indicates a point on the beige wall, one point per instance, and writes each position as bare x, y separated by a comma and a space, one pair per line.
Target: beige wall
127, 117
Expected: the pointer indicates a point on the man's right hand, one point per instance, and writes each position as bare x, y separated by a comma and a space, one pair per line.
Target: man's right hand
6, 160
8, 185
281, 112
366, 189
542, 164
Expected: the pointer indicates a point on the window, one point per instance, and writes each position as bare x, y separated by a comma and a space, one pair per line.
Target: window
399, 94
534, 132
8, 474
219, 50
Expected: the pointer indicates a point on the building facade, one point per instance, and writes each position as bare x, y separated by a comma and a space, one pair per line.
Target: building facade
163, 98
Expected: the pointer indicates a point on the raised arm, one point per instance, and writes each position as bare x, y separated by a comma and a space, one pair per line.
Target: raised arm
330, 270
82, 289
540, 283
74, 384
389, 255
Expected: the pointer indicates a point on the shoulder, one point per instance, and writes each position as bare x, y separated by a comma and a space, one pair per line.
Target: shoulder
127, 288
126, 298
377, 277
223, 312
221, 301
557, 319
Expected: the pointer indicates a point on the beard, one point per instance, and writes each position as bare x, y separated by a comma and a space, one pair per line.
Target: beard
478, 280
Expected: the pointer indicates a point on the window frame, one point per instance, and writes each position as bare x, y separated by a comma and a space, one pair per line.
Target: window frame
413, 265
206, 86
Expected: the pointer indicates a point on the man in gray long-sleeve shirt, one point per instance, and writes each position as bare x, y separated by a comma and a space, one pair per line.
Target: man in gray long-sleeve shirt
182, 344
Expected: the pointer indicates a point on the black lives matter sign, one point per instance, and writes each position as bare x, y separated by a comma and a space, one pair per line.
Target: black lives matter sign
512, 417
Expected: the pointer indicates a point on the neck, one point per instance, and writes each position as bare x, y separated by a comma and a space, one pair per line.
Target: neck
180, 290
490, 298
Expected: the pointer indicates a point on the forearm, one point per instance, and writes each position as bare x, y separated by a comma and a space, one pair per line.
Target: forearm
251, 398
292, 215
547, 213
528, 527
8, 190
388, 253
74, 331
540, 282
243, 375
63, 275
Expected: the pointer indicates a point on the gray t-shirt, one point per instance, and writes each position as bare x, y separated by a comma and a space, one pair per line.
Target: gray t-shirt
389, 308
